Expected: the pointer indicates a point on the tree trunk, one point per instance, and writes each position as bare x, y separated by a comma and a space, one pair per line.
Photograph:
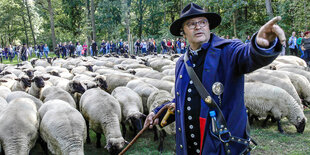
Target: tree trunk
89, 25
269, 8
140, 19
246, 14
30, 22
128, 2
25, 28
305, 17
93, 19
234, 23
50, 9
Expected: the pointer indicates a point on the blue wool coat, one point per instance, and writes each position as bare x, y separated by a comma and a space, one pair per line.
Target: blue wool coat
226, 61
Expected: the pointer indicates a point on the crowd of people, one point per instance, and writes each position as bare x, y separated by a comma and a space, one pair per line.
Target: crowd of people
22, 52
300, 44
77, 49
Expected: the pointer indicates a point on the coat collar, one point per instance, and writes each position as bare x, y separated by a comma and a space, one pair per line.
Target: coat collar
216, 43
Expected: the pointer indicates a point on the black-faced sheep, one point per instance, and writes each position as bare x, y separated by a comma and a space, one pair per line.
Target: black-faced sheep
21, 94
132, 108
102, 113
263, 99
156, 99
143, 89
62, 127
283, 82
19, 127
53, 92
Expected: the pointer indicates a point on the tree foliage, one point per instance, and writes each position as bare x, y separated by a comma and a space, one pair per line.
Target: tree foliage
147, 18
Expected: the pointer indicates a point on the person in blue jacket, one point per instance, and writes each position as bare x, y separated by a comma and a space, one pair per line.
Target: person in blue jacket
220, 64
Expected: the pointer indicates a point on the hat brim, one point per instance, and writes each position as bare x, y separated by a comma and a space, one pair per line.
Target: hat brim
213, 19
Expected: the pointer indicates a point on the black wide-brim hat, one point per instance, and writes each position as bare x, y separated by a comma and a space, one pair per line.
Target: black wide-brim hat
190, 11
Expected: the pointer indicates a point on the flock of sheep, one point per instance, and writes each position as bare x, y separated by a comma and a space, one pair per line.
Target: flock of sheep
56, 102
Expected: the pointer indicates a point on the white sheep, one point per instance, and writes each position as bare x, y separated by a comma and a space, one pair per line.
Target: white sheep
263, 99
19, 127
42, 63
102, 113
117, 80
284, 82
37, 85
132, 108
21, 94
169, 78
292, 60
160, 84
156, 99
149, 73
301, 84
22, 83
3, 104
298, 71
53, 92
143, 89
4, 91
62, 127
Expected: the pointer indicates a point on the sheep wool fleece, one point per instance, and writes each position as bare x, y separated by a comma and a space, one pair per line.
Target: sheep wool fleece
226, 61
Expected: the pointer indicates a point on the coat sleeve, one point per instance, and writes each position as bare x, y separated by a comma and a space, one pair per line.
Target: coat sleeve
246, 58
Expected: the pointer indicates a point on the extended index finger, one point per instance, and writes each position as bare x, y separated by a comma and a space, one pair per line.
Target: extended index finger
273, 21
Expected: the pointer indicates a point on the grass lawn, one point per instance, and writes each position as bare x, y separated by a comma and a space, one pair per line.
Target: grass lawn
270, 141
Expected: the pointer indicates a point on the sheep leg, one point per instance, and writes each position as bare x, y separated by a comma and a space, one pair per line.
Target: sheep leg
161, 141
43, 145
123, 129
273, 120
280, 126
1, 151
155, 133
87, 134
98, 144
265, 121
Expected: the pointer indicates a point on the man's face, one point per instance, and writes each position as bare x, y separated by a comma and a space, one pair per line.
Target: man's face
196, 30
293, 34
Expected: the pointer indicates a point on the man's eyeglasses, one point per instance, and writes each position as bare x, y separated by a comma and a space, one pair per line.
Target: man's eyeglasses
201, 23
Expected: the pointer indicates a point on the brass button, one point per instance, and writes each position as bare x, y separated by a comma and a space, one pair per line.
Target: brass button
178, 93
181, 76
180, 129
178, 111
181, 146
228, 151
227, 144
208, 99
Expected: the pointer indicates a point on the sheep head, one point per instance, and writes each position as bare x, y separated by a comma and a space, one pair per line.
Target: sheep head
136, 121
25, 81
101, 82
89, 67
115, 145
301, 125
29, 72
76, 87
39, 81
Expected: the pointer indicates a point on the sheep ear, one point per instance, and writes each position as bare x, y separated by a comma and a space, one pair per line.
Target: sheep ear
46, 78
1, 80
17, 79
143, 116
108, 146
126, 142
